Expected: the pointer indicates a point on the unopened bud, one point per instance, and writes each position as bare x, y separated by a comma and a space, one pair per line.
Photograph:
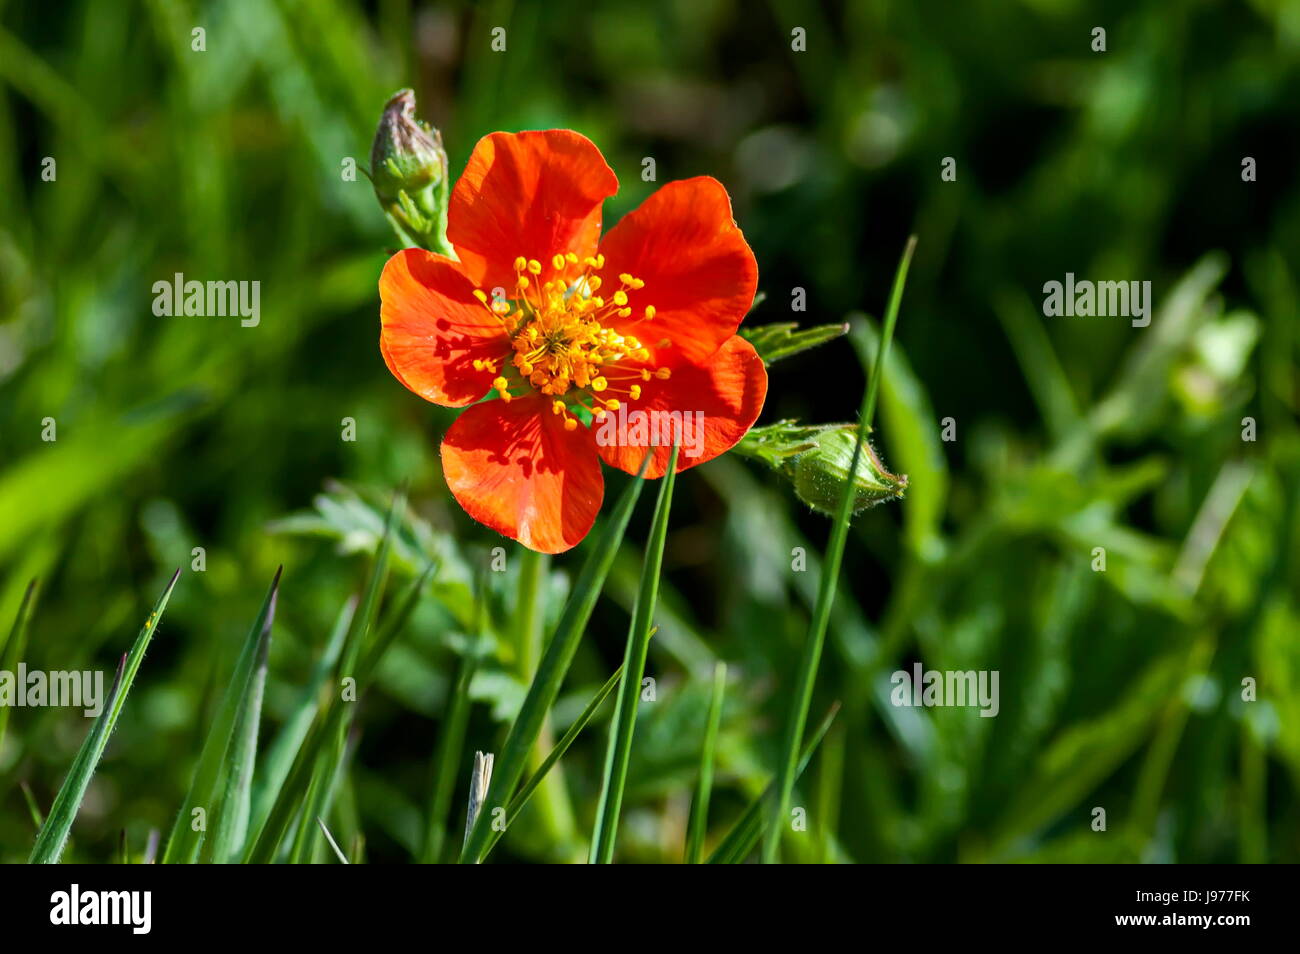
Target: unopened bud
817, 461
407, 155
408, 167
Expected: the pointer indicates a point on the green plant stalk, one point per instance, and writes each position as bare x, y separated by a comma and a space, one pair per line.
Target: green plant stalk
552, 806
552, 669
54, 833
619, 751
526, 790
808, 664
700, 806
744, 835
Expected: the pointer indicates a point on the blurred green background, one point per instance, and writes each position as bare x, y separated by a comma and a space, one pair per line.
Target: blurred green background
1120, 689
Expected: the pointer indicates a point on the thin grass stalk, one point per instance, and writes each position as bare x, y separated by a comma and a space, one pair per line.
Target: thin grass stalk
619, 751
554, 665
808, 664
699, 820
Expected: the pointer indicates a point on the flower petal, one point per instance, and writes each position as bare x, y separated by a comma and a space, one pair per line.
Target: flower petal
433, 329
514, 468
718, 403
698, 270
533, 194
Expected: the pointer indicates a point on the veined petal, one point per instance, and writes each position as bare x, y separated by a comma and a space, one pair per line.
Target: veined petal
533, 194
513, 467
699, 272
434, 329
711, 405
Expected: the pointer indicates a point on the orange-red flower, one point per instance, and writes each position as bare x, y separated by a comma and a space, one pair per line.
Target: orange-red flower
568, 328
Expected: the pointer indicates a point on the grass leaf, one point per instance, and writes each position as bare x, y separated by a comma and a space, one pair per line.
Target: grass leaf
699, 820
828, 583
638, 644
214, 766
54, 833
553, 667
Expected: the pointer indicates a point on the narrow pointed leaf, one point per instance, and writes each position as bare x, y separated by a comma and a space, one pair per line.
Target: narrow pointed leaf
526, 790
619, 752
54, 833
207, 786
554, 665
745, 834
829, 582
700, 807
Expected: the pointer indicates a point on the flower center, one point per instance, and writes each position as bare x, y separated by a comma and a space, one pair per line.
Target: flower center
560, 344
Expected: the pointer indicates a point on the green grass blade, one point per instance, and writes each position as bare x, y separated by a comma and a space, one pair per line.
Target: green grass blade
700, 806
638, 643
330, 724
526, 790
214, 765
744, 835
807, 677
231, 827
451, 737
14, 646
54, 833
334, 845
279, 757
551, 670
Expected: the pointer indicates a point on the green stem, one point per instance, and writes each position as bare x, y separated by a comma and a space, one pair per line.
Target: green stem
807, 676
638, 643
551, 801
699, 820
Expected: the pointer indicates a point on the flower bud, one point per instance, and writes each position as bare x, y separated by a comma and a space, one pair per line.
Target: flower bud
820, 475
817, 461
408, 167
407, 155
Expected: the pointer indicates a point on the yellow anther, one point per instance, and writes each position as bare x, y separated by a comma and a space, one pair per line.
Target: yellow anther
634, 392
625, 278
593, 283
521, 263
620, 298
481, 295
571, 258
570, 424
600, 261
612, 404
535, 266
500, 384
525, 368
637, 283
557, 407
478, 364
649, 312
645, 374
599, 384
624, 312
523, 281
599, 413
558, 261
663, 374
